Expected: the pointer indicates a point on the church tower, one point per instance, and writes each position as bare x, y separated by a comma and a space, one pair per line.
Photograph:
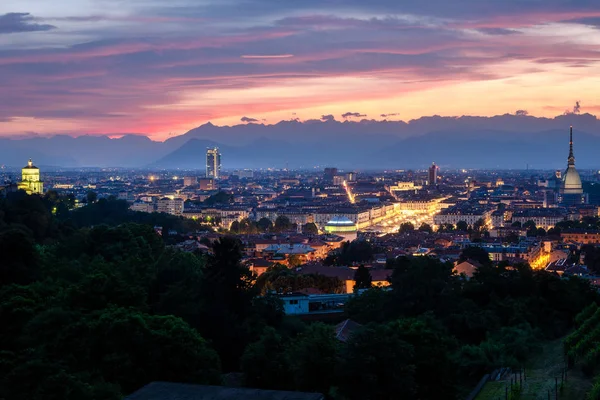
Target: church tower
30, 179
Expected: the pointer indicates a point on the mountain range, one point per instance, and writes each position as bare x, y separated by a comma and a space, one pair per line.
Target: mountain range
505, 141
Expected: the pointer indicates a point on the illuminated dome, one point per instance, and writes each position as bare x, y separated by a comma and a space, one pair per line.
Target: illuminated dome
30, 165
342, 226
571, 181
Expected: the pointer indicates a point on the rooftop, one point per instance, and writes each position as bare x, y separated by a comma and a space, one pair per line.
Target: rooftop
180, 391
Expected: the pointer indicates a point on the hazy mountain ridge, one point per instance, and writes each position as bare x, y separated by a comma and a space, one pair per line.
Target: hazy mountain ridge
503, 141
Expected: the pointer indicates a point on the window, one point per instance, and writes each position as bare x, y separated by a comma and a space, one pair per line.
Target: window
293, 301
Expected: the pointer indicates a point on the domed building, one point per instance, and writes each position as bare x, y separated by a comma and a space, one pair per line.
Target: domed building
342, 226
30, 179
571, 189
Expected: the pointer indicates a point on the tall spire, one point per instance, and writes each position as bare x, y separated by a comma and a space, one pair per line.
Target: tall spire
571, 156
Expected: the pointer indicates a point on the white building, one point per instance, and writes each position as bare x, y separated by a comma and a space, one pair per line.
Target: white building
170, 206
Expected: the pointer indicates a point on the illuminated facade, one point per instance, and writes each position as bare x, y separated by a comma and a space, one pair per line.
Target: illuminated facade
30, 179
343, 227
213, 163
571, 190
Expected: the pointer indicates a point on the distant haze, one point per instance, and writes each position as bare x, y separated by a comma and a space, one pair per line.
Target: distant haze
506, 141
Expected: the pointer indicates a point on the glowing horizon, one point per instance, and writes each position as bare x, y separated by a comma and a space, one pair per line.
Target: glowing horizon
98, 67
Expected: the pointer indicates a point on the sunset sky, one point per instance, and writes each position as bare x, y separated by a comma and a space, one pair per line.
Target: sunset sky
161, 67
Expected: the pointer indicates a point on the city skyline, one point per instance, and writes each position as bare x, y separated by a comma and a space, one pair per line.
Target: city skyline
143, 67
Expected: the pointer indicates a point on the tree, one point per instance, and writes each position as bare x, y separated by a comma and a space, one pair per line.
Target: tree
462, 226
19, 258
433, 355
264, 363
219, 198
235, 227
476, 254
420, 285
554, 231
425, 228
312, 358
247, 226
227, 294
406, 227
479, 225
362, 278
445, 228
355, 252
294, 260
310, 228
516, 224
511, 238
529, 225
109, 344
376, 364
91, 197
264, 224
282, 224
372, 305
592, 257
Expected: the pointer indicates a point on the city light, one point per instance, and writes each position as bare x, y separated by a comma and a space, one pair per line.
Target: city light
349, 192
541, 261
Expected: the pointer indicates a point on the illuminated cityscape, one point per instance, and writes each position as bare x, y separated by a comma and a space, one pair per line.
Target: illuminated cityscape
299, 200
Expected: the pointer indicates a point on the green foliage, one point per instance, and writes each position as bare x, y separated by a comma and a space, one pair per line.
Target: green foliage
476, 254
351, 253
594, 393
264, 224
245, 226
19, 258
406, 227
376, 364
371, 306
282, 224
264, 363
110, 211
219, 198
362, 278
462, 226
585, 314
590, 223
425, 228
424, 284
227, 295
529, 225
312, 357
281, 279
96, 312
446, 228
91, 197
592, 257
433, 351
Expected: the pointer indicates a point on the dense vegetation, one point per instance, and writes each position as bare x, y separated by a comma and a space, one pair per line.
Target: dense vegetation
94, 304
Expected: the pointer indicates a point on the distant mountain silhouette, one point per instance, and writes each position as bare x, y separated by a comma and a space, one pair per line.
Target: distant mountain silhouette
504, 141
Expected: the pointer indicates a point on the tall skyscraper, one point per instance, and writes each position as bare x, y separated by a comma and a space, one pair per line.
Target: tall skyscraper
213, 163
433, 171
